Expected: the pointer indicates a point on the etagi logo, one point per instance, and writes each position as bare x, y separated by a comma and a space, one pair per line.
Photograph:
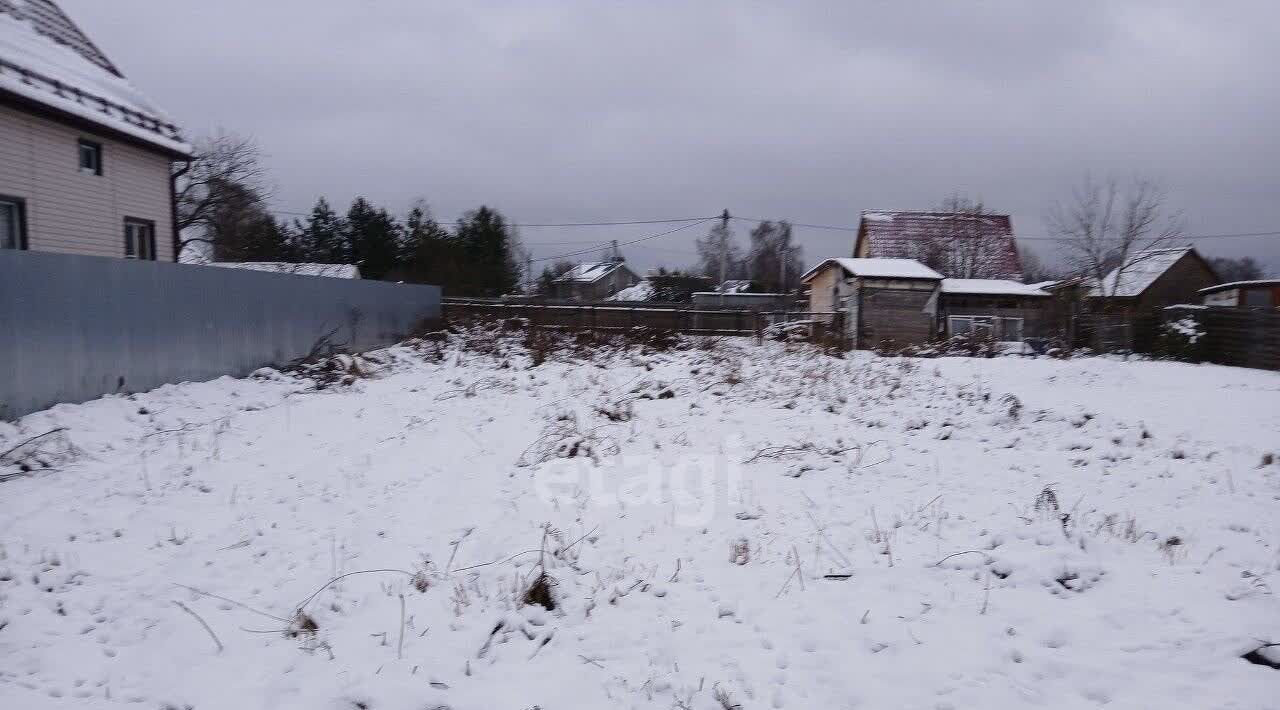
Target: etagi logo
691, 486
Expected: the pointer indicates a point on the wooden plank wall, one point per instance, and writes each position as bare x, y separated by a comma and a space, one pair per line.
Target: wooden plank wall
615, 317
1236, 336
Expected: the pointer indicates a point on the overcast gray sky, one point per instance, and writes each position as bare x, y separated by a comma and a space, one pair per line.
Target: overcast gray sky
592, 110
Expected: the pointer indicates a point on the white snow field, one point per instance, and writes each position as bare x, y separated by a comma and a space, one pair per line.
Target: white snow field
721, 525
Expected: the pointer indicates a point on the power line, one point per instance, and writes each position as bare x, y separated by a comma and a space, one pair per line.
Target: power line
1018, 237
756, 220
633, 241
548, 224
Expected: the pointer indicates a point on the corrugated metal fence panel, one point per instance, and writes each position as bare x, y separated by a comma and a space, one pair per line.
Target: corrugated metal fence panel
73, 328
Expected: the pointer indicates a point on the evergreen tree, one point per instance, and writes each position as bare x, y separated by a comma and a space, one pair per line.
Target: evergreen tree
489, 248
322, 238
373, 239
429, 253
545, 285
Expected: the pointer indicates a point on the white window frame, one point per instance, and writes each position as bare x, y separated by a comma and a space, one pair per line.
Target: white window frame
13, 240
93, 148
144, 248
995, 326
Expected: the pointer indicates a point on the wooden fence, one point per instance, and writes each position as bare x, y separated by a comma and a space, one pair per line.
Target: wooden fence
674, 317
1115, 332
1235, 336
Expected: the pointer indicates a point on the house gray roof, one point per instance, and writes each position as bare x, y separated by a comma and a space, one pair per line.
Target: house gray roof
1144, 268
991, 287
879, 268
46, 59
590, 272
1258, 283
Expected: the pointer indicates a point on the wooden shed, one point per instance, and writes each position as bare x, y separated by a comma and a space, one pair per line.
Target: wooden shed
1264, 293
1005, 310
888, 302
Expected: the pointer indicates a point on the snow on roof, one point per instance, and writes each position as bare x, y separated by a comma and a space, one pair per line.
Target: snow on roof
734, 286
642, 291
994, 287
45, 58
1241, 284
1143, 269
589, 272
333, 271
879, 268
905, 234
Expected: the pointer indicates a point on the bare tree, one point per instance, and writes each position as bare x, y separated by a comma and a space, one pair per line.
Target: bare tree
1105, 229
1034, 270
224, 168
963, 245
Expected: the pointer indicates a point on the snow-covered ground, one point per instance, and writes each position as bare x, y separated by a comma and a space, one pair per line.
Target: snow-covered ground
722, 527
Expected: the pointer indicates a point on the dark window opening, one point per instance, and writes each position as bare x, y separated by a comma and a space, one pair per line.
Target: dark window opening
139, 239
12, 228
90, 157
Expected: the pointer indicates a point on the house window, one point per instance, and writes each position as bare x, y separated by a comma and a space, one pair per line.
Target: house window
90, 157
1003, 329
139, 239
12, 235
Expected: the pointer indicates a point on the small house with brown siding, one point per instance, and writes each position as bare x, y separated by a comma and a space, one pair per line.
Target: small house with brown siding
887, 302
84, 156
595, 281
1154, 278
1264, 293
1006, 311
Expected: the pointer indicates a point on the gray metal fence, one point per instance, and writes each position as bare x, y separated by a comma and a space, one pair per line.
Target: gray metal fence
73, 328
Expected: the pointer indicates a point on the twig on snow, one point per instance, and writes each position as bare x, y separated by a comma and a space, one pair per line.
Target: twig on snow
963, 552
202, 623
341, 577
242, 605
37, 437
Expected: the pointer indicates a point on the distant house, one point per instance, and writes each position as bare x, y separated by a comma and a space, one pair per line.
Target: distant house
885, 301
1007, 311
676, 287
84, 156
1154, 278
743, 300
956, 244
596, 281
333, 271
1264, 293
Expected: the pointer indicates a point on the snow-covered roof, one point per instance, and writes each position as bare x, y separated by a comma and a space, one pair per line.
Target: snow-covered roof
45, 58
734, 286
992, 287
589, 272
1143, 269
333, 271
1242, 284
642, 291
879, 268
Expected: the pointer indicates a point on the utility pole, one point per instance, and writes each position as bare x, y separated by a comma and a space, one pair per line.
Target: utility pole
528, 273
724, 253
782, 265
